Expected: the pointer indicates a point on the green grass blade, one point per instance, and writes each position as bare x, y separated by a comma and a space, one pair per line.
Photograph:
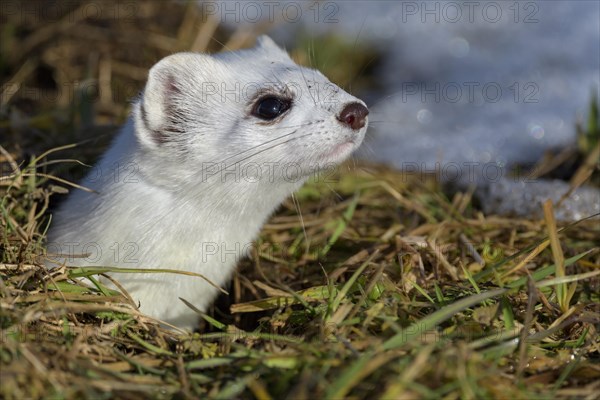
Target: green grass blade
546, 271
418, 328
342, 224
149, 346
348, 285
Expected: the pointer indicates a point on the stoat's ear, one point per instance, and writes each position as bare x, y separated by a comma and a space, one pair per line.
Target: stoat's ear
267, 44
159, 111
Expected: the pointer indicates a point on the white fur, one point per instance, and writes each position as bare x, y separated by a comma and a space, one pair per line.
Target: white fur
163, 210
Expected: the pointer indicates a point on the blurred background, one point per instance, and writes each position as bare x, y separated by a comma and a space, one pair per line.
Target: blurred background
471, 91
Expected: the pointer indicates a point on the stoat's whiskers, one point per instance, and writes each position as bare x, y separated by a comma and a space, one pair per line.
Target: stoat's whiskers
188, 199
267, 142
339, 196
299, 211
258, 145
272, 147
368, 149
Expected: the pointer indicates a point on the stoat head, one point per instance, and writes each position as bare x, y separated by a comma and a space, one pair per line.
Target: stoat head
247, 106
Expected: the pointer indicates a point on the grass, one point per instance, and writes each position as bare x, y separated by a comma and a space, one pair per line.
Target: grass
387, 287
376, 315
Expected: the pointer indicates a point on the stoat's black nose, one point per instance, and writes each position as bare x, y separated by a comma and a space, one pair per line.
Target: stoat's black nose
354, 115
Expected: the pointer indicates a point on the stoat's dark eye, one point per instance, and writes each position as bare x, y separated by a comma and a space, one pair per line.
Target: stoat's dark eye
270, 107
